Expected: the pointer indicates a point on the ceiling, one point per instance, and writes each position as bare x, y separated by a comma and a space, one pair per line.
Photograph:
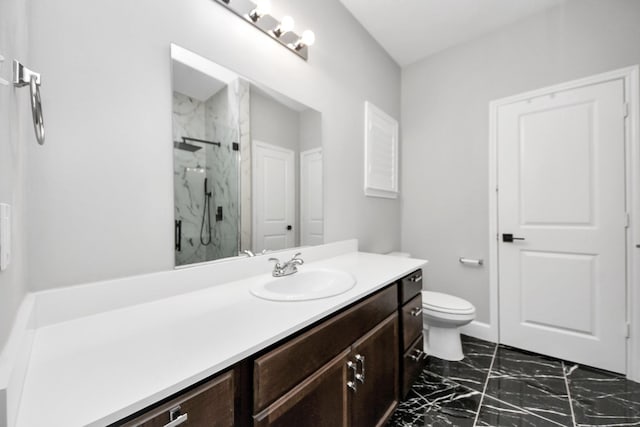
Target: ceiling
410, 30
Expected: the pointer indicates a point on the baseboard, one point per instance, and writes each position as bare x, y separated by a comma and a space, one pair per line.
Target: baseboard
480, 330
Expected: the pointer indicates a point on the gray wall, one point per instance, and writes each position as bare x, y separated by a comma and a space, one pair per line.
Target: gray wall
100, 193
16, 134
273, 123
310, 130
445, 125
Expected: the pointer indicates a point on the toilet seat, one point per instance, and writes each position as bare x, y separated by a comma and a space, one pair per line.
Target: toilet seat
444, 303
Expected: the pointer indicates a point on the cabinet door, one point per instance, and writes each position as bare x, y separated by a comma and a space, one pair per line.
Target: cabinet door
321, 400
376, 359
210, 404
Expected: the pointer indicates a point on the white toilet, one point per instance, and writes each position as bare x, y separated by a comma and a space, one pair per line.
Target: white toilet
442, 317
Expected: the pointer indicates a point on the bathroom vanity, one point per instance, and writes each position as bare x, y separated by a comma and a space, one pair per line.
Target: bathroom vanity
220, 356
342, 371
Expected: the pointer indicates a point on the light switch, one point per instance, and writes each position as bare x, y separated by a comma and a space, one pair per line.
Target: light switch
5, 235
3, 82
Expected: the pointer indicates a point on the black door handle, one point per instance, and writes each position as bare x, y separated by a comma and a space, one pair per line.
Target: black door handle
289, 227
178, 235
508, 237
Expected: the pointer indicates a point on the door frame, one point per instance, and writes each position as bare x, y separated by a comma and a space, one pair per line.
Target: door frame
303, 189
630, 77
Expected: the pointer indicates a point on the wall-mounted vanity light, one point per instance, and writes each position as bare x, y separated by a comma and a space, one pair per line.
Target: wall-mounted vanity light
308, 38
286, 25
263, 7
258, 14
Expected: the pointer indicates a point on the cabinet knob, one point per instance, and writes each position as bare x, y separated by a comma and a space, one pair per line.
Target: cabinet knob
415, 278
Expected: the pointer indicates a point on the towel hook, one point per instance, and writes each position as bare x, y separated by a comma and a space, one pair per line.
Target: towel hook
22, 76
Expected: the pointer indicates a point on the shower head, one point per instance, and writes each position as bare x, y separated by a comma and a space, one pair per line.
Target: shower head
185, 146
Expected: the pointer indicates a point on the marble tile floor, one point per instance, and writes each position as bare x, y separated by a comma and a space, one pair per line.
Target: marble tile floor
496, 385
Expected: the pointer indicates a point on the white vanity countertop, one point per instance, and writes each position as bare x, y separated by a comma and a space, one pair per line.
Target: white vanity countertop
97, 369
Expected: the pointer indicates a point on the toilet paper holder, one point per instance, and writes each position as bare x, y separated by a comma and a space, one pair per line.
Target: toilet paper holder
471, 261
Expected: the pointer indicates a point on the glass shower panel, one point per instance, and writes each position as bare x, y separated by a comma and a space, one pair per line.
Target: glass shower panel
222, 171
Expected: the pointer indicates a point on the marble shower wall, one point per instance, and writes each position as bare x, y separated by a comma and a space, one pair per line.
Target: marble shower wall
215, 119
189, 171
221, 126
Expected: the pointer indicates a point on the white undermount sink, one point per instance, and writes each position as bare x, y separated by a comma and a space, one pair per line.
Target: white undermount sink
306, 284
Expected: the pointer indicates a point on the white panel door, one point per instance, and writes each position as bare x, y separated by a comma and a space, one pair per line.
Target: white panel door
311, 196
562, 191
273, 178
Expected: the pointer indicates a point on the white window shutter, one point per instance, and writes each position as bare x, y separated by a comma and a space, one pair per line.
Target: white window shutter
381, 153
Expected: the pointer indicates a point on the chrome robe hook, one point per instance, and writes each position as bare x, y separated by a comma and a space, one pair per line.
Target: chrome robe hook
22, 76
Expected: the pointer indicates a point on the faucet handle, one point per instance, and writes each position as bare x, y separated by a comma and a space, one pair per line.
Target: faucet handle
276, 260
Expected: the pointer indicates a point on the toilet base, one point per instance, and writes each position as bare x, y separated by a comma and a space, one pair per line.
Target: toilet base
443, 343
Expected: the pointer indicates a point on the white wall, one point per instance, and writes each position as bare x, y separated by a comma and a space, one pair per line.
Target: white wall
15, 134
100, 192
445, 125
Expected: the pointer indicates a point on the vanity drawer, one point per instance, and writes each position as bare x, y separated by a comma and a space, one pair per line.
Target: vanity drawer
210, 404
281, 369
411, 321
413, 362
410, 286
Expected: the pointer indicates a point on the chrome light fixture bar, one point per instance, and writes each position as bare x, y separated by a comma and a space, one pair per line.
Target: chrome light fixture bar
258, 15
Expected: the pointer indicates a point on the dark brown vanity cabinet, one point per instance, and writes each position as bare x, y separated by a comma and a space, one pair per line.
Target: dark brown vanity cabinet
210, 404
411, 342
342, 372
348, 370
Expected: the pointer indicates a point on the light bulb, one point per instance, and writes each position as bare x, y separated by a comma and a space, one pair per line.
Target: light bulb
286, 24
308, 38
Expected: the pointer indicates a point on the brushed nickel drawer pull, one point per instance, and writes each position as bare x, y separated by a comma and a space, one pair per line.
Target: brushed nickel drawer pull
417, 355
180, 420
353, 385
360, 359
415, 278
416, 311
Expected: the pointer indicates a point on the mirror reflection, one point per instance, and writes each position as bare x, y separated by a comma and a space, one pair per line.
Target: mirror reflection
247, 165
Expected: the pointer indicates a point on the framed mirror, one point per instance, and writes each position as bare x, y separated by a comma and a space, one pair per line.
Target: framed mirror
248, 168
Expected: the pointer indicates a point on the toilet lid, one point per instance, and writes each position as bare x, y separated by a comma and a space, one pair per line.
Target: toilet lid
445, 303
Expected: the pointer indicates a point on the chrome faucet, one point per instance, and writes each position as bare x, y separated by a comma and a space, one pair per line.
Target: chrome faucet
288, 267
250, 253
